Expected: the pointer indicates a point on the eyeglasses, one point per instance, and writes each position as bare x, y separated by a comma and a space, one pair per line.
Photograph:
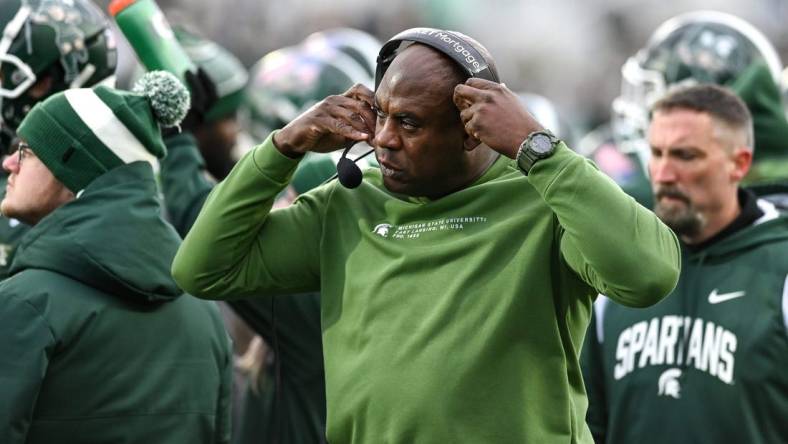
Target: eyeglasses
24, 151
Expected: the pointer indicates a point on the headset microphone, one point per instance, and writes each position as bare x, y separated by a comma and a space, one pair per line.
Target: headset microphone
348, 172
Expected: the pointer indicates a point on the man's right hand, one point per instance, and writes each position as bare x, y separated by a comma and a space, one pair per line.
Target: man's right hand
330, 124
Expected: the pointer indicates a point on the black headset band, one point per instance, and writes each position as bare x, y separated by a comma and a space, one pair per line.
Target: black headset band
447, 42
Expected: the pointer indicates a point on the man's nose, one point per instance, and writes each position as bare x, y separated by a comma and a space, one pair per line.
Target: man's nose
387, 136
11, 162
663, 170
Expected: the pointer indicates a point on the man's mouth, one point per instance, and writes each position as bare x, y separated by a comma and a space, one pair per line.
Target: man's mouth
673, 198
389, 170
672, 195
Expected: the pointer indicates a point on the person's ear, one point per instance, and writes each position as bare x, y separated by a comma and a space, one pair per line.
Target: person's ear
469, 142
742, 161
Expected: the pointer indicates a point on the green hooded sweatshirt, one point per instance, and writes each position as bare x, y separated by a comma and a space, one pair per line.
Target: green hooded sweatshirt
708, 363
185, 183
451, 320
99, 344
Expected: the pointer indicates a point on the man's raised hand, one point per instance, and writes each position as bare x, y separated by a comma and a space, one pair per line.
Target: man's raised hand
330, 124
494, 115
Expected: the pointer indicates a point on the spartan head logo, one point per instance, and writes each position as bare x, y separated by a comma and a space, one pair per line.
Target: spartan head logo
382, 230
669, 384
68, 20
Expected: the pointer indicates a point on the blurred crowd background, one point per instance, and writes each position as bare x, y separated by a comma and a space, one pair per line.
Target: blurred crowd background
568, 51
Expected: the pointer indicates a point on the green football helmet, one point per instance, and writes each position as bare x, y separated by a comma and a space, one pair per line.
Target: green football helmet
359, 45
692, 48
67, 39
226, 72
288, 81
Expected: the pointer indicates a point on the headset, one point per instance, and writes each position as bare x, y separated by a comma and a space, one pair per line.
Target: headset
450, 43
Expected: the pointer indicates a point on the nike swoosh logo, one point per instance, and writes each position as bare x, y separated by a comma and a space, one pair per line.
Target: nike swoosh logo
716, 298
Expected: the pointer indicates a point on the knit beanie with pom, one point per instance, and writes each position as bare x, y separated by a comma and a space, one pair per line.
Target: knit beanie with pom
80, 134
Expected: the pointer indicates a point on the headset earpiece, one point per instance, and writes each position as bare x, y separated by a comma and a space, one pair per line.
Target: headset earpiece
447, 42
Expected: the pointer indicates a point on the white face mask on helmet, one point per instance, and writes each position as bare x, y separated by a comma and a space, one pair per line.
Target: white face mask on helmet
69, 40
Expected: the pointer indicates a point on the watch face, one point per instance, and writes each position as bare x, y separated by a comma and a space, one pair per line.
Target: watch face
541, 144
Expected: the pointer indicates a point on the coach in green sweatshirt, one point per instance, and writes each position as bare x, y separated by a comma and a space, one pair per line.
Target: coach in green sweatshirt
455, 288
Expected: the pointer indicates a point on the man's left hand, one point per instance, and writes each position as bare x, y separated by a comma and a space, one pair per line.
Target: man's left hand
493, 114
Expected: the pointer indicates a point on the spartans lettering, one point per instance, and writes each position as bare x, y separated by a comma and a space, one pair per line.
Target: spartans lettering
676, 340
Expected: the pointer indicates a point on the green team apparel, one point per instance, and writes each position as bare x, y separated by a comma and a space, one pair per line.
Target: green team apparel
708, 363
185, 183
299, 414
99, 344
451, 320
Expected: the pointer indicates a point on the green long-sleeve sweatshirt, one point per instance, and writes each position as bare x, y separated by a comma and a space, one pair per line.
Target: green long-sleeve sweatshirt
452, 320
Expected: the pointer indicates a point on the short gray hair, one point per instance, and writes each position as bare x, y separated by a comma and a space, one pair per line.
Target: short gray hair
720, 103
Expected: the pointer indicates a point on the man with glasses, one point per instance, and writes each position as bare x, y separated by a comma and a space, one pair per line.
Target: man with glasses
36, 192
98, 342
46, 46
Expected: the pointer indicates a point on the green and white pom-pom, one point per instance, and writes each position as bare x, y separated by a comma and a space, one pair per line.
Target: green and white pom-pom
167, 96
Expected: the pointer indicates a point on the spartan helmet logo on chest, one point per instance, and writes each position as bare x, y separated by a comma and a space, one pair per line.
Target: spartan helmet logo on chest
382, 230
669, 384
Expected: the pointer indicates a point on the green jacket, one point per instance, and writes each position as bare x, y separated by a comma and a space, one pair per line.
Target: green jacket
185, 183
99, 344
298, 416
707, 364
454, 320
